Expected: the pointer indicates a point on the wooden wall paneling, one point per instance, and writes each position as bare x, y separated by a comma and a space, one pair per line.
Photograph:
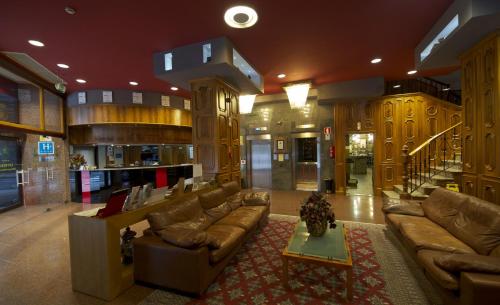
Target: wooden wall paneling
490, 189
469, 113
216, 131
340, 117
390, 138
469, 184
130, 114
489, 108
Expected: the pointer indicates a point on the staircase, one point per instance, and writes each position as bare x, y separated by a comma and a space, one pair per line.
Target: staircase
435, 163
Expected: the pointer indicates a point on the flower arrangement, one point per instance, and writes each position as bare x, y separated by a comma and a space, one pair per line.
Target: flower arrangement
77, 160
317, 214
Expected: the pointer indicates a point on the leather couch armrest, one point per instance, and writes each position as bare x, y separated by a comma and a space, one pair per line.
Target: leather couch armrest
163, 264
479, 288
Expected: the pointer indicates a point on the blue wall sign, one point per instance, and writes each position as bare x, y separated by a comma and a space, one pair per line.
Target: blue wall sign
46, 148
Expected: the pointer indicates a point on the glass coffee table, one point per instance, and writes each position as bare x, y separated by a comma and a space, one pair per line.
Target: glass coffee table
331, 249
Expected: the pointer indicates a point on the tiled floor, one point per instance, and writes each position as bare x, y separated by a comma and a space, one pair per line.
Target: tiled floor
365, 184
34, 249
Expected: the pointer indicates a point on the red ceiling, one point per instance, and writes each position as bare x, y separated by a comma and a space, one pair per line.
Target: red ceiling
110, 43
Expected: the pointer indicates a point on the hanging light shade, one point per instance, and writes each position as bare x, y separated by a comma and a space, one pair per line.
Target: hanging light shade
297, 94
246, 103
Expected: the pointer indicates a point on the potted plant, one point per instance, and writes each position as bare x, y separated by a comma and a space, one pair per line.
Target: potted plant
317, 213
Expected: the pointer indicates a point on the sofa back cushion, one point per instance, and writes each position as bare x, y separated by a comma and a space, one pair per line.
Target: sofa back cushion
442, 206
180, 211
231, 188
218, 212
212, 199
478, 225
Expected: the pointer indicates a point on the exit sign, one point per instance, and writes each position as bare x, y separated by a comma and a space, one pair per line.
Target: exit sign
45, 148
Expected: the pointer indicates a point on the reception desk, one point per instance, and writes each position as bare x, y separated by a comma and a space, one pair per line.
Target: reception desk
95, 186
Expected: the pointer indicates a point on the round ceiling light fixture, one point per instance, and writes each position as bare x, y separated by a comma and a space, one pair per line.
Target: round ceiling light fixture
63, 66
133, 83
240, 17
36, 43
81, 81
282, 75
396, 86
411, 72
174, 88
376, 60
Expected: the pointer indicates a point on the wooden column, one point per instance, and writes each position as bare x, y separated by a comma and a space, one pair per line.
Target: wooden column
481, 119
216, 129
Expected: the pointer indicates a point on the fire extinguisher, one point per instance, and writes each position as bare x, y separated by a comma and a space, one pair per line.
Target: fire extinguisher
332, 152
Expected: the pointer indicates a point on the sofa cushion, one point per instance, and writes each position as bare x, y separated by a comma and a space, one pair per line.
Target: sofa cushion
433, 237
180, 211
231, 188
405, 207
495, 252
398, 219
228, 236
218, 212
235, 200
445, 279
478, 225
442, 206
245, 219
257, 208
469, 262
184, 237
256, 198
212, 199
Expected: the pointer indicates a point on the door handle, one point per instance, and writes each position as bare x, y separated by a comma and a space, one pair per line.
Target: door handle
27, 174
21, 172
52, 173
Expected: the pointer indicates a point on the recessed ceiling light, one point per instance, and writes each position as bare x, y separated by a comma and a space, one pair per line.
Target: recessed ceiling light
36, 43
396, 86
174, 88
412, 72
282, 75
81, 81
240, 17
446, 89
376, 60
69, 10
63, 66
134, 83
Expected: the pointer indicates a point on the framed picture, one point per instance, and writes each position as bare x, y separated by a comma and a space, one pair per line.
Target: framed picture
280, 146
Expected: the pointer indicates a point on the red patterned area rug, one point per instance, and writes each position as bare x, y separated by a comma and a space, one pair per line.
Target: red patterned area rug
381, 274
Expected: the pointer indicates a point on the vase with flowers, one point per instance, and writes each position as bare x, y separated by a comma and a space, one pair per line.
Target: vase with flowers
317, 213
76, 161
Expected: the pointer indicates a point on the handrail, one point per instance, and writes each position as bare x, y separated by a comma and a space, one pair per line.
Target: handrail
430, 159
433, 138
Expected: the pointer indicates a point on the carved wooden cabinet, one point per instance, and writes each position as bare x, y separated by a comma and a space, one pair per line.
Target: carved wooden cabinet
216, 129
481, 113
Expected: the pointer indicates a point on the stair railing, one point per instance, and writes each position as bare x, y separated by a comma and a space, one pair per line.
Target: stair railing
433, 157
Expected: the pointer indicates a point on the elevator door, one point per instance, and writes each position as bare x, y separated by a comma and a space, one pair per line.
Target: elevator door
306, 163
261, 164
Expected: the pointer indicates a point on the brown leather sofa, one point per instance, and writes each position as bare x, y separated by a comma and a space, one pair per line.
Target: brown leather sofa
225, 216
455, 238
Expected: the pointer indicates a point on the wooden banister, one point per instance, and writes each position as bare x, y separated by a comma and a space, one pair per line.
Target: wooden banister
429, 159
413, 152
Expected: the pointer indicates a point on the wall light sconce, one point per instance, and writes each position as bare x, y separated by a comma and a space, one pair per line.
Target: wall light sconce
246, 103
297, 94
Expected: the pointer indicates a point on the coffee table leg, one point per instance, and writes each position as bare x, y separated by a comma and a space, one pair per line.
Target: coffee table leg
284, 277
349, 283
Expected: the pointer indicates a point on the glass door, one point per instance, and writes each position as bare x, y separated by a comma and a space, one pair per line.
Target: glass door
44, 162
11, 175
